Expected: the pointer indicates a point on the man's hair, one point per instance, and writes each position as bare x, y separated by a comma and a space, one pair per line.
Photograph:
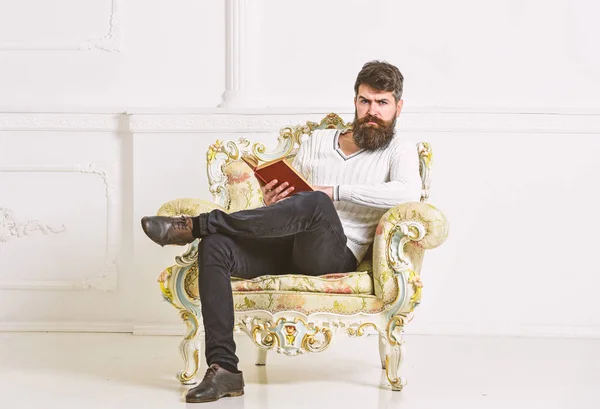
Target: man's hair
381, 76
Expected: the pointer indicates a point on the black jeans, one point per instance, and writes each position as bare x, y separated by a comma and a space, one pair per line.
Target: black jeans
300, 235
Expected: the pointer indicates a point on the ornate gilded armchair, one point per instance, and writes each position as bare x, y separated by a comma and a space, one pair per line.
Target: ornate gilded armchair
295, 314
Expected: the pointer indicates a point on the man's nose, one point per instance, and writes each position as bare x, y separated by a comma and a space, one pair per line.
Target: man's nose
373, 110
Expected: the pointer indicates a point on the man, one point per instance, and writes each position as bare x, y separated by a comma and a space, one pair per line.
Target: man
357, 175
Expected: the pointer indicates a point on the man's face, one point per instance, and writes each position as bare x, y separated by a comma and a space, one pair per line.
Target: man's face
374, 118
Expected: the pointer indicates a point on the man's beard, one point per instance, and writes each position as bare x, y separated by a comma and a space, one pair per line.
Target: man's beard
372, 137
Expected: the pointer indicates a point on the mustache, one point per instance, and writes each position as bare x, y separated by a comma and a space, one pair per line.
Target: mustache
370, 118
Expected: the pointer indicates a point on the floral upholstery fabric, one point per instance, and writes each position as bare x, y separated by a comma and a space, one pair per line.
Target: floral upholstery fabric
187, 206
242, 187
306, 303
436, 228
271, 300
359, 282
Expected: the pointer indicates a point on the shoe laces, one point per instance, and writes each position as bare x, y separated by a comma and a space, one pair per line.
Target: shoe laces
210, 373
180, 223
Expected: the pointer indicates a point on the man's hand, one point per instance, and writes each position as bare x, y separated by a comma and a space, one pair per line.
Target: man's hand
271, 196
325, 189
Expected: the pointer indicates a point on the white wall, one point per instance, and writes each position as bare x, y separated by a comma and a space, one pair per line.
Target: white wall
508, 99
73, 55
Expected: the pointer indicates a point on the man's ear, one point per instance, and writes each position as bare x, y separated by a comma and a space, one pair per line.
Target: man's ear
399, 107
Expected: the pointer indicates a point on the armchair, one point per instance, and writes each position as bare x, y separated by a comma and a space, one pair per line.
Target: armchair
294, 314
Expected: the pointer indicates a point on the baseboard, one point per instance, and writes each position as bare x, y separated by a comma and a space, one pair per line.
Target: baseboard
519, 331
523, 331
65, 326
530, 331
76, 326
159, 329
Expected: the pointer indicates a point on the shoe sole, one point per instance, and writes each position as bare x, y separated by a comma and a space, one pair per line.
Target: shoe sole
227, 395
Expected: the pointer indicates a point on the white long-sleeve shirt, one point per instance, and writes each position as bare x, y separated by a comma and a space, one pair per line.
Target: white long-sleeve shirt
366, 184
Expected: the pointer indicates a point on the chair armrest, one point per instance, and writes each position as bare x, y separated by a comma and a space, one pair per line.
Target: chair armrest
189, 207
402, 235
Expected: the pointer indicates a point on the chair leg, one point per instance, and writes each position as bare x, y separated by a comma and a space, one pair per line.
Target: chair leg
261, 357
190, 347
394, 352
382, 350
393, 362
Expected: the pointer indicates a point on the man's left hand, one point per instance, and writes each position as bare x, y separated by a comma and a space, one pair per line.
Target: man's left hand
325, 189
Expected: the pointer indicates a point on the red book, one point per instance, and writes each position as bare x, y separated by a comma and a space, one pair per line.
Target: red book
277, 169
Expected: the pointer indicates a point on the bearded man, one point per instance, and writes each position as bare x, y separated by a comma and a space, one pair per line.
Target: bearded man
357, 176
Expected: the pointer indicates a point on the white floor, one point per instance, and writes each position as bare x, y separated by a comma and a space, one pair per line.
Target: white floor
63, 370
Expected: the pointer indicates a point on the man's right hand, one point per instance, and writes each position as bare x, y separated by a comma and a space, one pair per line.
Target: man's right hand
271, 196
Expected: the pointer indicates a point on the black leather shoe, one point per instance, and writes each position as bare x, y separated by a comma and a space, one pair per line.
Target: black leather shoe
168, 230
217, 383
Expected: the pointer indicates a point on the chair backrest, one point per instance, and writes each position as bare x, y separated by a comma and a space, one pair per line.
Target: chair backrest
230, 179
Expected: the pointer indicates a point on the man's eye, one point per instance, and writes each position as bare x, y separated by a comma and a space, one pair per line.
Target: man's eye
363, 101
383, 102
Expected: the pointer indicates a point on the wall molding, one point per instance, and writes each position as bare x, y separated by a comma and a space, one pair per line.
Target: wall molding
462, 330
411, 121
271, 120
216, 122
159, 329
110, 42
65, 326
11, 228
60, 122
504, 330
501, 122
108, 278
467, 330
236, 55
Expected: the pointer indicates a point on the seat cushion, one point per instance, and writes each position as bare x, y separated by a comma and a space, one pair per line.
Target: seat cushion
358, 282
307, 303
